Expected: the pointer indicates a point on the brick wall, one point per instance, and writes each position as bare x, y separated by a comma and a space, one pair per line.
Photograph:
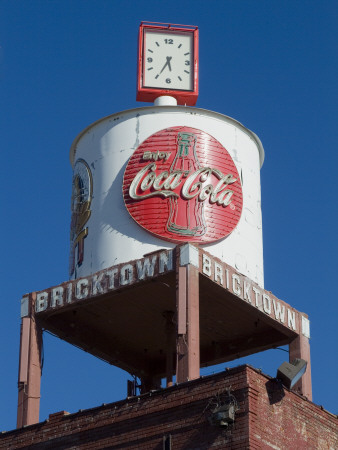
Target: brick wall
281, 419
264, 419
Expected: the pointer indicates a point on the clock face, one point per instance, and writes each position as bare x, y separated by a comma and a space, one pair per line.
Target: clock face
82, 186
168, 60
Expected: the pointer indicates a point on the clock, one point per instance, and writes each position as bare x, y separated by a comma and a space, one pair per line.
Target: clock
168, 63
82, 193
82, 185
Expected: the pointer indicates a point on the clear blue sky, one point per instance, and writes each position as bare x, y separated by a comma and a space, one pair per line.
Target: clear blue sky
64, 64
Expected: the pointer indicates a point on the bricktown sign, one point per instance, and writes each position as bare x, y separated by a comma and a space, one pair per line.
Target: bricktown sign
160, 263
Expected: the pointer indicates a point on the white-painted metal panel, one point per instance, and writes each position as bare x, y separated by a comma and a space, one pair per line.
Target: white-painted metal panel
112, 236
306, 327
189, 255
24, 307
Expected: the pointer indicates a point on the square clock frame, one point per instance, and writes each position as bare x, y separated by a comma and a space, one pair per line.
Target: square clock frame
167, 62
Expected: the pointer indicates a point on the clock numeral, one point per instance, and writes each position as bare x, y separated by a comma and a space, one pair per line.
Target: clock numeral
169, 41
187, 63
168, 80
150, 59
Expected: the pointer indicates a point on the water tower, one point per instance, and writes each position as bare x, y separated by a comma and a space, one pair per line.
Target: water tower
166, 249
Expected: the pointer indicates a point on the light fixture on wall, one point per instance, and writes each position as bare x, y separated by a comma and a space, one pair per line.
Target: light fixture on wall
222, 408
223, 416
290, 373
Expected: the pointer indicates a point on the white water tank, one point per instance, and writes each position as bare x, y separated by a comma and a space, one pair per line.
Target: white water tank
110, 227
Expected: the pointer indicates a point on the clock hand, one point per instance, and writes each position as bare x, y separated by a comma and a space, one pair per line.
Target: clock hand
167, 64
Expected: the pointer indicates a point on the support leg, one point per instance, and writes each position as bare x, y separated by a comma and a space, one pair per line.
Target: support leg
188, 342
300, 348
170, 346
29, 371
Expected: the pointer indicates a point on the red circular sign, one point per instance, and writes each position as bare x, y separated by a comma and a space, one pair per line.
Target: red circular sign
182, 186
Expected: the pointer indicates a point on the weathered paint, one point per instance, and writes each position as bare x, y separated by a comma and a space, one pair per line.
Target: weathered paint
112, 236
246, 290
24, 307
105, 281
268, 418
191, 192
189, 255
162, 262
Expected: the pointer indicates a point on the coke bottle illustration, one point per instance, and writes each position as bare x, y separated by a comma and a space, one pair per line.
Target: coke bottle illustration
186, 217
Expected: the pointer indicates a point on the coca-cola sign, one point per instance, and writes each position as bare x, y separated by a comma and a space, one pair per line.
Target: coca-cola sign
182, 186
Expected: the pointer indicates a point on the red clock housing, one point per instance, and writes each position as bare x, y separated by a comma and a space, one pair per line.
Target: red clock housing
149, 94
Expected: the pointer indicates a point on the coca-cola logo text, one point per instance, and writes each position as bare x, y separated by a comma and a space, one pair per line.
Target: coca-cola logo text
182, 185
196, 184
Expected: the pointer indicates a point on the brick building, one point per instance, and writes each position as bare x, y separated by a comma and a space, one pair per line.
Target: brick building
267, 416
